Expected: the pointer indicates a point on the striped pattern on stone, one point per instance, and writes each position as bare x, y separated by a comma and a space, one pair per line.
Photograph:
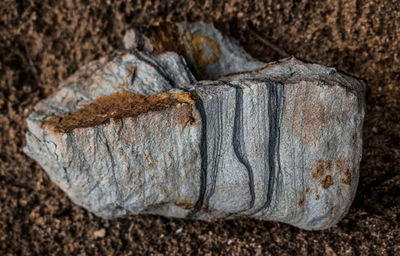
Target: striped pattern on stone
281, 142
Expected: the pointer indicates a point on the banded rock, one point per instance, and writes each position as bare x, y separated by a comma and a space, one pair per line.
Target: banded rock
136, 133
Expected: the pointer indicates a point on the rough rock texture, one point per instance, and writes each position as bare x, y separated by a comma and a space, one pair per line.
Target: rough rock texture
209, 54
282, 142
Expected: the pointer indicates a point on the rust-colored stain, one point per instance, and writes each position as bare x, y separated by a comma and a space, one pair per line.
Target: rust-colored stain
138, 181
347, 177
301, 202
150, 161
148, 165
328, 165
321, 168
317, 196
338, 164
184, 205
324, 166
319, 173
122, 84
204, 50
122, 54
168, 37
327, 182
117, 106
308, 190
127, 176
183, 115
131, 70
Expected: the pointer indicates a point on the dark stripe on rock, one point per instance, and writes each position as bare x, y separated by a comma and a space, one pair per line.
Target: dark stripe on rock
203, 155
155, 65
238, 140
133, 76
275, 103
188, 72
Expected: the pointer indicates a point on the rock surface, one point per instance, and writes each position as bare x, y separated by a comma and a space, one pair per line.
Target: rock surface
281, 142
209, 54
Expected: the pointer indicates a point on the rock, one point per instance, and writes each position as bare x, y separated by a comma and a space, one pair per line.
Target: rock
99, 233
136, 133
209, 54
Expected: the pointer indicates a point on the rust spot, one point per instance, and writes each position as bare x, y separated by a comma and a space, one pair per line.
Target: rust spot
150, 161
301, 202
138, 182
131, 70
117, 106
323, 166
127, 176
204, 50
327, 182
184, 205
317, 197
148, 158
148, 165
183, 115
308, 189
123, 54
328, 165
320, 170
347, 177
338, 165
123, 84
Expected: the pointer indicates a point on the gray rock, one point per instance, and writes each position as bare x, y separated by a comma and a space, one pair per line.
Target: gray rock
208, 53
281, 142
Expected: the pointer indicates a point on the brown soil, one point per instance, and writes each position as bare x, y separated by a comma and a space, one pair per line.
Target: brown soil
43, 42
115, 106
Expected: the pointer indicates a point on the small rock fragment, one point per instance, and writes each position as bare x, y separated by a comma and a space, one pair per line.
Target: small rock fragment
99, 233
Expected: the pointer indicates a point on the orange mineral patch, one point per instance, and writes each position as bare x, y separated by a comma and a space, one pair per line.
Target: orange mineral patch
117, 106
347, 177
168, 37
327, 182
204, 50
319, 170
301, 202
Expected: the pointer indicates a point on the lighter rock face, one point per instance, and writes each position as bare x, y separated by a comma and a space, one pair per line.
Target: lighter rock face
281, 141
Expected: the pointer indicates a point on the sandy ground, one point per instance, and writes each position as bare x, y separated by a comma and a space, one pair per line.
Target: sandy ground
43, 42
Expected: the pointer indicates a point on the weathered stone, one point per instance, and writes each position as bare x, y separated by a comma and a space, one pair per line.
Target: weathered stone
281, 142
208, 53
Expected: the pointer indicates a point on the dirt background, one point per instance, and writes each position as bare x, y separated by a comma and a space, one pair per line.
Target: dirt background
43, 42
